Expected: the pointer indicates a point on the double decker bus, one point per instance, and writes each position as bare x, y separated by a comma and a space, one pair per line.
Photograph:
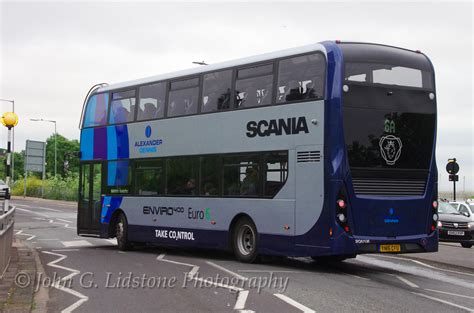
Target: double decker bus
325, 150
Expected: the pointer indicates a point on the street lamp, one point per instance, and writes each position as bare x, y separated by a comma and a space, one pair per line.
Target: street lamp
200, 63
13, 139
55, 140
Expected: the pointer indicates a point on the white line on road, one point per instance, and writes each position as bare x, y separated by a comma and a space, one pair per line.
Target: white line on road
20, 232
47, 209
441, 269
227, 271
424, 264
48, 239
65, 250
451, 294
292, 302
357, 276
76, 243
112, 241
269, 271
241, 300
161, 258
57, 284
66, 221
445, 302
32, 212
406, 281
241, 296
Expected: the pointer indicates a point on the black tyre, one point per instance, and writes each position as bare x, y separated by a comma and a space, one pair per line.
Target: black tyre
121, 232
466, 245
245, 240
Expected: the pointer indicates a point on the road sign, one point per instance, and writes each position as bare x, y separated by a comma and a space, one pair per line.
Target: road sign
453, 177
452, 167
35, 160
35, 156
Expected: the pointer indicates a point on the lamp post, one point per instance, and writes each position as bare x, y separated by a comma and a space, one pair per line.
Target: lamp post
9, 120
55, 140
13, 139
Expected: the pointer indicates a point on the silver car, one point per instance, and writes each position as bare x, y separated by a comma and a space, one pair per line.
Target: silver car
3, 186
465, 208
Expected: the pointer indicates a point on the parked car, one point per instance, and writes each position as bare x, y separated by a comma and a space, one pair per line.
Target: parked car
3, 186
465, 208
454, 226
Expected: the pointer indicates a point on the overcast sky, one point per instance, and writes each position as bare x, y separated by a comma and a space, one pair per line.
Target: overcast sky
53, 52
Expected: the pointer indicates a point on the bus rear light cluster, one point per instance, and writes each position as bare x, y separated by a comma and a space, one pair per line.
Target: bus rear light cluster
435, 223
342, 208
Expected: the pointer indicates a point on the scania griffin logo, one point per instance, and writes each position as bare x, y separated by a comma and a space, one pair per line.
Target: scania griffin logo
390, 148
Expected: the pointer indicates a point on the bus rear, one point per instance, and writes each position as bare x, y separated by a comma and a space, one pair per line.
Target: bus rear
389, 191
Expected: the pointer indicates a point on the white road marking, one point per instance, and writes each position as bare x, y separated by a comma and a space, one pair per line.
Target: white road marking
241, 296
161, 258
441, 269
241, 299
32, 212
112, 241
76, 243
451, 294
357, 276
416, 271
65, 250
48, 239
263, 271
406, 281
193, 271
292, 302
57, 284
227, 271
66, 221
47, 209
445, 302
20, 232
425, 265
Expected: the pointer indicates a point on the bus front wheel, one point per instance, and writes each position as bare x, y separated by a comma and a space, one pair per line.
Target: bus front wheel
245, 240
121, 232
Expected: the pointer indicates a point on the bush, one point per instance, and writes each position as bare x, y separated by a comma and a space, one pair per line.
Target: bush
54, 188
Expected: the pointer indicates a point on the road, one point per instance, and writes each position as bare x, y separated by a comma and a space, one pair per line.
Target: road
96, 277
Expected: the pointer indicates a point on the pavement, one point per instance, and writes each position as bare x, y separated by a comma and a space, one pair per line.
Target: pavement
91, 275
13, 297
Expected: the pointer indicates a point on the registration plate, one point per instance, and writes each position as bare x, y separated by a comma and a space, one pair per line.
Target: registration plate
455, 233
389, 248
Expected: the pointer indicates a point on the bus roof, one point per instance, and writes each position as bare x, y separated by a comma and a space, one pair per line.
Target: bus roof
217, 66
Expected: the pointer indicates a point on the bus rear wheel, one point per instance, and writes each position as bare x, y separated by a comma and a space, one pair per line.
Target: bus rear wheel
245, 240
121, 232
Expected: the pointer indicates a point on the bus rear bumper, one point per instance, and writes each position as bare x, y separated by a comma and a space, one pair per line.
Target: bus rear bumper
403, 244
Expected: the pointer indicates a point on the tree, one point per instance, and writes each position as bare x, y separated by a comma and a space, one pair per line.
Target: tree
66, 150
19, 165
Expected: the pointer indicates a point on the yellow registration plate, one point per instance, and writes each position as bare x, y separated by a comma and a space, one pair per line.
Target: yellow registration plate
389, 248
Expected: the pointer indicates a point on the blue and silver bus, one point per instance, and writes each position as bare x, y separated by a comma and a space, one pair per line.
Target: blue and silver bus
326, 150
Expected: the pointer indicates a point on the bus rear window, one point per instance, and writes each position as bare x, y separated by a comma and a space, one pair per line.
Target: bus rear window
96, 111
387, 74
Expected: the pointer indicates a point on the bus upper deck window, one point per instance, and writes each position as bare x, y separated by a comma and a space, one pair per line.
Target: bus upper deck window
216, 91
183, 97
254, 86
96, 111
122, 107
301, 78
151, 104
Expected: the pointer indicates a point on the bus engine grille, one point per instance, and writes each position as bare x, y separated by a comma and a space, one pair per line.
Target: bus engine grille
308, 156
389, 187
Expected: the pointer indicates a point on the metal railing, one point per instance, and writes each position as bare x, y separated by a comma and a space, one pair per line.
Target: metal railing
6, 237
